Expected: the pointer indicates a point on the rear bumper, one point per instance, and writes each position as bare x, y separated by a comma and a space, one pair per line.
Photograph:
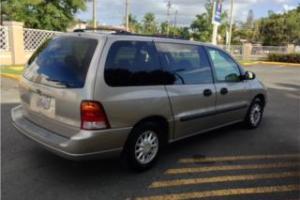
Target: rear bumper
81, 146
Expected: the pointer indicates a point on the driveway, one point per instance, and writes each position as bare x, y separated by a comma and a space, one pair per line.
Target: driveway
230, 163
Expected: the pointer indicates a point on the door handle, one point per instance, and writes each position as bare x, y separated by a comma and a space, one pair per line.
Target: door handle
224, 91
207, 92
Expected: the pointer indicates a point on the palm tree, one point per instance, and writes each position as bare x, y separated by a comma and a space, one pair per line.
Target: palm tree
134, 25
149, 24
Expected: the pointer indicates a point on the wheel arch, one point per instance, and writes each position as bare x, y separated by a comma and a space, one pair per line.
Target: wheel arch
261, 97
161, 121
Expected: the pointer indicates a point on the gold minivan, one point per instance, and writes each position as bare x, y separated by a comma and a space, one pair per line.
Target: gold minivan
84, 95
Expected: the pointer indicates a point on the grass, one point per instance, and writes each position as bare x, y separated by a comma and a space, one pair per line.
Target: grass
14, 69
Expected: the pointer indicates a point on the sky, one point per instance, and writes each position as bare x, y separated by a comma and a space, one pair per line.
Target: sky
111, 12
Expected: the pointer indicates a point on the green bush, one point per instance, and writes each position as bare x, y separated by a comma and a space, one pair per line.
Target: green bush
291, 58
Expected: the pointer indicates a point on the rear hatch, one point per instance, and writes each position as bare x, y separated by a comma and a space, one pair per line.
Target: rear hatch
53, 84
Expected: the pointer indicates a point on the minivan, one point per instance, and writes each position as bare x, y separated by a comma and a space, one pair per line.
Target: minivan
86, 94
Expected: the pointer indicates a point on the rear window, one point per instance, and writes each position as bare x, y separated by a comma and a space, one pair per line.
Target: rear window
61, 62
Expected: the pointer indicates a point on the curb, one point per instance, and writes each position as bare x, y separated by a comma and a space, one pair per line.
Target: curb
271, 63
250, 63
15, 77
280, 63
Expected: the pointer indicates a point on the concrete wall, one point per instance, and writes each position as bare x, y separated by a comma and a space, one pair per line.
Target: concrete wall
16, 53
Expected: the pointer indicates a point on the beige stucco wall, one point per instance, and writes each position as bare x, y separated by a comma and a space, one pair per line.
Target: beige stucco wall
5, 58
16, 41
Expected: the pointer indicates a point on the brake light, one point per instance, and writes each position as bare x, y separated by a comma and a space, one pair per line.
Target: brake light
93, 116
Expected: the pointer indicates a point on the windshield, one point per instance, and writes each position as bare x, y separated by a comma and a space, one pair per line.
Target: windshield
61, 62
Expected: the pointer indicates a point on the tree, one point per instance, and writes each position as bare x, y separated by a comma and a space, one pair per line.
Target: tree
134, 25
280, 29
202, 27
184, 32
164, 28
250, 19
224, 27
42, 14
149, 24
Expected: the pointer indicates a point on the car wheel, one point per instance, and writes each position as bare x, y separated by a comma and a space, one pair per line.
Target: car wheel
255, 114
143, 146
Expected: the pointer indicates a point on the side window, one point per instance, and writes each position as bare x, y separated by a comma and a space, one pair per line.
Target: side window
188, 64
225, 68
132, 63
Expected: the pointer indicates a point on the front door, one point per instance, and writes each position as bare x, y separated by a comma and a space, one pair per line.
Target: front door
190, 87
232, 96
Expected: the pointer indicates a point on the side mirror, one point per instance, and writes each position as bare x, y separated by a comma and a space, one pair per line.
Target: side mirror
249, 76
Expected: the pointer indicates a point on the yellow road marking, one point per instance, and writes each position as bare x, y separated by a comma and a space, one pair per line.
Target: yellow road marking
179, 182
224, 192
231, 167
236, 158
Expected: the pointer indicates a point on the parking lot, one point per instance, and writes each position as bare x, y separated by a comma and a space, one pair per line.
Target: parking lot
230, 163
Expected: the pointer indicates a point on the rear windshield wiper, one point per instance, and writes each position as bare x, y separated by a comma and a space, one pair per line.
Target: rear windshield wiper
62, 83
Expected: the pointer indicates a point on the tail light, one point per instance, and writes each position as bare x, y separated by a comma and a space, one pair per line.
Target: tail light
93, 116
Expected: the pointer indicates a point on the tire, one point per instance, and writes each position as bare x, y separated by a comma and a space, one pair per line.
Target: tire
255, 114
143, 146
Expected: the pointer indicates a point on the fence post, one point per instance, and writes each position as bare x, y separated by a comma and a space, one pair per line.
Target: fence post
291, 48
16, 41
247, 49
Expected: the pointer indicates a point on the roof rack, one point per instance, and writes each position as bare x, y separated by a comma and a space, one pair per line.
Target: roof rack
121, 31
103, 28
153, 35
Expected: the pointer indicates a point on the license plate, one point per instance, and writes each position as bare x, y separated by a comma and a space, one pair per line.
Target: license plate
43, 104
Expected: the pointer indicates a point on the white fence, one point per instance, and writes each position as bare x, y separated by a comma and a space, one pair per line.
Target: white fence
4, 45
235, 50
261, 52
33, 38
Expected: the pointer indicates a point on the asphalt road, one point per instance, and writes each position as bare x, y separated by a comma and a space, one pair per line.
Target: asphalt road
215, 165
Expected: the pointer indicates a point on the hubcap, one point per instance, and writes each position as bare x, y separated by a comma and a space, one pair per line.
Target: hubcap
146, 147
255, 114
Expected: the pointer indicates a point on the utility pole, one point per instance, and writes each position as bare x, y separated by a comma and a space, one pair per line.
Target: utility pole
215, 25
215, 34
168, 15
231, 23
127, 14
175, 18
94, 15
